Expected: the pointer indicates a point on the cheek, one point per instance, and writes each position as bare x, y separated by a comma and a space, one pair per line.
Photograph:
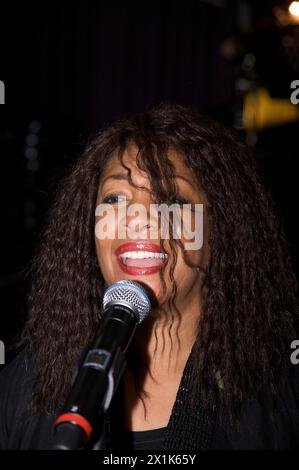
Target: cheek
104, 236
106, 226
186, 265
100, 251
104, 256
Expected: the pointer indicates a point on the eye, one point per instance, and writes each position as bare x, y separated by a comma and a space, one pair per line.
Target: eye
114, 198
181, 200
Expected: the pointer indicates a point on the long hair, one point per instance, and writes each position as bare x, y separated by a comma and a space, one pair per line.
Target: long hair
249, 308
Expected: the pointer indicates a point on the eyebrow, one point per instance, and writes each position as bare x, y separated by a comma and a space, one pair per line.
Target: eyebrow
122, 176
118, 176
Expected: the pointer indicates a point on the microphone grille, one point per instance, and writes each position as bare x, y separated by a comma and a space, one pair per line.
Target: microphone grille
132, 294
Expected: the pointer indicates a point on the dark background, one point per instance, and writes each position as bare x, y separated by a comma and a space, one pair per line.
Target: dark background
70, 68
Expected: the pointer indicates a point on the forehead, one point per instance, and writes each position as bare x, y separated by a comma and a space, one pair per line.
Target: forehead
129, 159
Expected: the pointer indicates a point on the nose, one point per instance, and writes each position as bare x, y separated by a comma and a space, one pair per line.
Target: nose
139, 222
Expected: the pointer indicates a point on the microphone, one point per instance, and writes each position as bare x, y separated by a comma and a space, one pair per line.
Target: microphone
125, 304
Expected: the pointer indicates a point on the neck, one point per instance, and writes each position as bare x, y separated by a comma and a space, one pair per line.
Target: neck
163, 344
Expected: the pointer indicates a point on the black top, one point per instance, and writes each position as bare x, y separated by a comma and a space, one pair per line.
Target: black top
144, 440
188, 428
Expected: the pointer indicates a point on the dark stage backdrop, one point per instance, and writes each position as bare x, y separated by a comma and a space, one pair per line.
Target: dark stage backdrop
69, 68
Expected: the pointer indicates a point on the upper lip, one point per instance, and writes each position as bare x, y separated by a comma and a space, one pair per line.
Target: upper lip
138, 246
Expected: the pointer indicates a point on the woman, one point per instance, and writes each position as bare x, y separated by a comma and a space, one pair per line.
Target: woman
210, 367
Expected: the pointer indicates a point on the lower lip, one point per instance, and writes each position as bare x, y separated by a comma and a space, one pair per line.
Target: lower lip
139, 271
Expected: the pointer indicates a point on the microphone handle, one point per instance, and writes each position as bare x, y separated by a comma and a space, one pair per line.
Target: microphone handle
97, 380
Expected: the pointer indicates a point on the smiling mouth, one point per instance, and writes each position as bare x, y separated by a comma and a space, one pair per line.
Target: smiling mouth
143, 259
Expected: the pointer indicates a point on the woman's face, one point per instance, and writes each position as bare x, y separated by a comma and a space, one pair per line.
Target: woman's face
137, 256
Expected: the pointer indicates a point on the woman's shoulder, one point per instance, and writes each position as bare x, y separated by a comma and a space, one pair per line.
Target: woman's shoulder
15, 392
290, 391
294, 379
267, 421
18, 372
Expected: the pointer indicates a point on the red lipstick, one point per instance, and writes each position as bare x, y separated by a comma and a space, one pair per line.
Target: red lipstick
140, 266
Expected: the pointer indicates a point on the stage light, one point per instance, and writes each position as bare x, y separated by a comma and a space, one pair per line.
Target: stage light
34, 127
294, 9
31, 153
260, 111
31, 140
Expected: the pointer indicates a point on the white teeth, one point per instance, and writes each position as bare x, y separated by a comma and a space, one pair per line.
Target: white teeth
142, 255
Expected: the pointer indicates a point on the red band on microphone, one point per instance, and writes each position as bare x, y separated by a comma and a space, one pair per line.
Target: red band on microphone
77, 419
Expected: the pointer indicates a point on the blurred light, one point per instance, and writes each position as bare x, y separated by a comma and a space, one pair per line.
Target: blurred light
287, 16
260, 110
35, 127
294, 9
242, 84
31, 140
32, 165
31, 153
249, 60
231, 48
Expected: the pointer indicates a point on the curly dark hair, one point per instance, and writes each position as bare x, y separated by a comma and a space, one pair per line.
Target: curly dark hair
249, 305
